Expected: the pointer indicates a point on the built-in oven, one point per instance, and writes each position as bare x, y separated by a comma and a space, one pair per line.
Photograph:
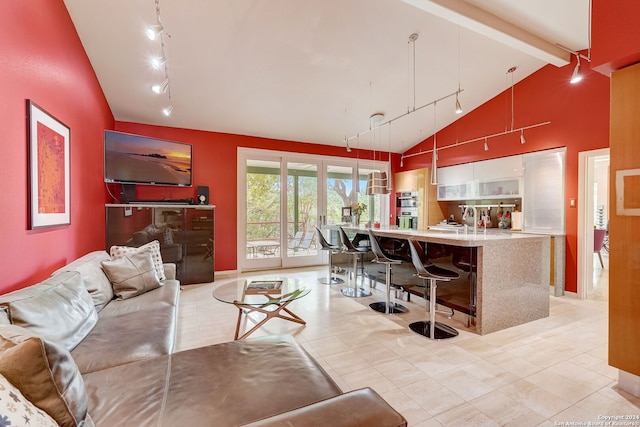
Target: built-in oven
407, 209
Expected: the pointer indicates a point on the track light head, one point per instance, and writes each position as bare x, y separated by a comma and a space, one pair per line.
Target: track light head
160, 88
348, 148
157, 62
576, 76
167, 110
523, 140
153, 31
458, 106
486, 145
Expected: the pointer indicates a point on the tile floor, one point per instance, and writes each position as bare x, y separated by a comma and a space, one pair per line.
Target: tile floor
543, 373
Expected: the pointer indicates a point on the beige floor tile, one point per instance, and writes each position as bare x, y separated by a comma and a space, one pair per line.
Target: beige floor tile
491, 374
535, 398
506, 411
465, 415
409, 408
463, 384
433, 396
553, 369
401, 372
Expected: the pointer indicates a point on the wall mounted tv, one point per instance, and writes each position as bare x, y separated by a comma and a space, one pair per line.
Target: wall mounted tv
136, 159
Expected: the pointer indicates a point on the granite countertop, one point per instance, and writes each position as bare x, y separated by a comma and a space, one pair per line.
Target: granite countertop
453, 237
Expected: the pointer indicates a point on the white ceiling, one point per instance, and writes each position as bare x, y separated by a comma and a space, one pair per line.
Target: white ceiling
315, 71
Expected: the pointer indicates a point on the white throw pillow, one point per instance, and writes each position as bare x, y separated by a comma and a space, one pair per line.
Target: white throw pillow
17, 411
154, 247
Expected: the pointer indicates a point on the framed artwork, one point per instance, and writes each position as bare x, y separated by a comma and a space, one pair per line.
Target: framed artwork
346, 214
49, 164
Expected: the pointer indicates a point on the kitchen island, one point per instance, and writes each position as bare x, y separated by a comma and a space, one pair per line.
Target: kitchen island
506, 274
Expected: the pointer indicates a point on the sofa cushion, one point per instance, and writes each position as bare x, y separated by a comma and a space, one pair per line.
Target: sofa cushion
363, 407
154, 247
16, 410
93, 277
45, 373
59, 309
165, 295
254, 379
224, 384
131, 274
118, 340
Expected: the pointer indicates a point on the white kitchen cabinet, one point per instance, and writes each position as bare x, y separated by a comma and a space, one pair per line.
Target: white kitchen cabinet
498, 189
487, 179
544, 182
458, 174
496, 169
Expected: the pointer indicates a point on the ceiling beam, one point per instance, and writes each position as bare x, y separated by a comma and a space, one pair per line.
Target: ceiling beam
482, 22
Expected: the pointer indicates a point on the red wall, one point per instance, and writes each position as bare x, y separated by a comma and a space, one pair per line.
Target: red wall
214, 165
615, 36
42, 59
579, 116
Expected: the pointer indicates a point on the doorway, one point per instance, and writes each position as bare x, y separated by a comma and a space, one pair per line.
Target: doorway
283, 197
593, 225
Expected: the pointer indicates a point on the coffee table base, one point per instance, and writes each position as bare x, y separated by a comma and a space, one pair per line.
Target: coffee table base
246, 309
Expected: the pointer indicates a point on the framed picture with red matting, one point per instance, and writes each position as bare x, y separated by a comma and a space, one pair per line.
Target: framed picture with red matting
49, 169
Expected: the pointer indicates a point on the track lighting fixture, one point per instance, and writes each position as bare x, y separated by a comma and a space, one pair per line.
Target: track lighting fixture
576, 76
160, 88
157, 62
522, 138
458, 106
486, 145
348, 148
167, 110
153, 31
402, 160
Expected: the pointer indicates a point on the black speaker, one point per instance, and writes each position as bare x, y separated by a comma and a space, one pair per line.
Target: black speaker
127, 193
203, 195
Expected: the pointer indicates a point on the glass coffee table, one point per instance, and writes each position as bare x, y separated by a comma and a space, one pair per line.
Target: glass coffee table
267, 295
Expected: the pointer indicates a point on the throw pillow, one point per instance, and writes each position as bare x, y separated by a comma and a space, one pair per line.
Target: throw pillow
154, 247
93, 277
59, 309
45, 373
132, 274
17, 411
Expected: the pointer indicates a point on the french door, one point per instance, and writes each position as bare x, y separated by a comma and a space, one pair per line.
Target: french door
283, 197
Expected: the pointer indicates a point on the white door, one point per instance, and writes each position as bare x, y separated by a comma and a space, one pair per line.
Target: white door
283, 197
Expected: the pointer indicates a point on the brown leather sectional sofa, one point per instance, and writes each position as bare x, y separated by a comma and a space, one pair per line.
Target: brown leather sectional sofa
88, 359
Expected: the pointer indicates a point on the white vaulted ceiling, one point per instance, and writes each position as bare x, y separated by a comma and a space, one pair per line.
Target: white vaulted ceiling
315, 71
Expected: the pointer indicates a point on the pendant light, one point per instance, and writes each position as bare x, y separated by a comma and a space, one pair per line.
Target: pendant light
434, 154
377, 180
389, 183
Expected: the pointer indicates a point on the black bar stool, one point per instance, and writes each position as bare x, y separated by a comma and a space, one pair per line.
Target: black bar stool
331, 279
386, 306
356, 252
428, 271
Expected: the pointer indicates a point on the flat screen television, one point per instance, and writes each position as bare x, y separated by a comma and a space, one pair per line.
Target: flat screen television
136, 159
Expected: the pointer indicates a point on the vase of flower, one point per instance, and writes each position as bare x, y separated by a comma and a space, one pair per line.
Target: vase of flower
357, 210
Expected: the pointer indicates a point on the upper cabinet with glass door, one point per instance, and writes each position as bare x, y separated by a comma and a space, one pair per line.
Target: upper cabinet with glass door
487, 179
456, 182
